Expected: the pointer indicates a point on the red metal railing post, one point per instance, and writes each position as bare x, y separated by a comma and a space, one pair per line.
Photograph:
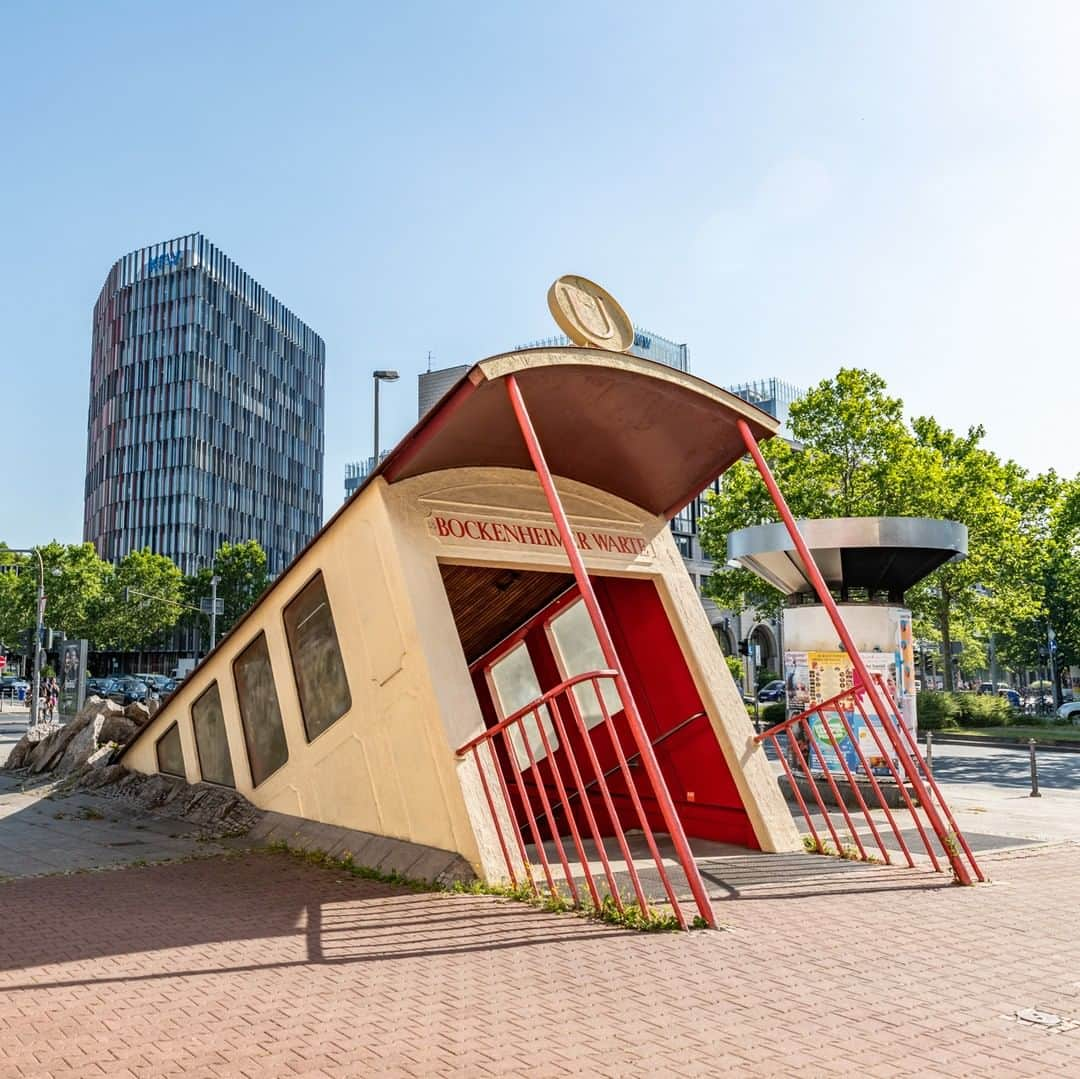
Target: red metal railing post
827, 601
637, 728
512, 813
590, 817
635, 798
793, 741
575, 835
613, 813
920, 761
526, 801
545, 801
495, 815
900, 785
816, 747
854, 784
795, 787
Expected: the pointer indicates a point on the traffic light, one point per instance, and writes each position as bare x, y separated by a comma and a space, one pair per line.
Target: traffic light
744, 648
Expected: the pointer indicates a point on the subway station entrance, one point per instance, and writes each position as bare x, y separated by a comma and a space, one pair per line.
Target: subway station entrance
494, 650
569, 762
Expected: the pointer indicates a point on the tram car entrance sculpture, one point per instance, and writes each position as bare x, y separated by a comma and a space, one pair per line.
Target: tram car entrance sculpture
493, 647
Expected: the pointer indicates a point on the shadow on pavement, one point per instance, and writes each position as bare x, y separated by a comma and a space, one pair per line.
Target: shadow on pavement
250, 912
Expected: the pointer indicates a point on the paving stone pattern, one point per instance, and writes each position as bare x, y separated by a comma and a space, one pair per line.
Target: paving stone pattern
43, 830
260, 965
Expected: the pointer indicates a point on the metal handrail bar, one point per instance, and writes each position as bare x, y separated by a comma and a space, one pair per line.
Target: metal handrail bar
636, 756
781, 728
534, 706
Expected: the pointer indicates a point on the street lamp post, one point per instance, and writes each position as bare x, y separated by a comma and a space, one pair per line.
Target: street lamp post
380, 376
35, 700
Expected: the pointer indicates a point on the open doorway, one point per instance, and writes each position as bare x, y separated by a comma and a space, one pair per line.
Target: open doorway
527, 637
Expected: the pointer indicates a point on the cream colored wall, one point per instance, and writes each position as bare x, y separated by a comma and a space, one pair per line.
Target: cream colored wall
385, 766
389, 765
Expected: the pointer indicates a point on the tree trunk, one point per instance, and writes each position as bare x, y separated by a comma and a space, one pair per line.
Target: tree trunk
946, 642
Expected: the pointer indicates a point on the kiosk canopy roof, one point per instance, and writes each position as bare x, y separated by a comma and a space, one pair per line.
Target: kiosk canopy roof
643, 431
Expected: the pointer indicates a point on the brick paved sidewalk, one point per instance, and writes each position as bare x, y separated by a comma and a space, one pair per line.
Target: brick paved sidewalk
260, 965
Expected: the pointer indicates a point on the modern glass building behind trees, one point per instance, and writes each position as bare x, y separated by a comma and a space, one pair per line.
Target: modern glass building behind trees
206, 411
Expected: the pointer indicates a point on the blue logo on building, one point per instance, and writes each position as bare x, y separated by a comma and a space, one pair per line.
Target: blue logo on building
642, 341
164, 262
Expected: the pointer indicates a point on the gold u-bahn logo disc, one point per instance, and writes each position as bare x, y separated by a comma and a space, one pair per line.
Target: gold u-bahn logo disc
589, 315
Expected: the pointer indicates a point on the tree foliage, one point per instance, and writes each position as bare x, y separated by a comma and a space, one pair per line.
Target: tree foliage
241, 569
130, 606
855, 455
141, 602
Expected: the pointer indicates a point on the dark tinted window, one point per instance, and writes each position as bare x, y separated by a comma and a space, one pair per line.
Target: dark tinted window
210, 740
259, 711
316, 658
170, 757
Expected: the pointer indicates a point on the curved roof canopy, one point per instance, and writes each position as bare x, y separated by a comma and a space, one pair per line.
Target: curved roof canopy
646, 432
880, 554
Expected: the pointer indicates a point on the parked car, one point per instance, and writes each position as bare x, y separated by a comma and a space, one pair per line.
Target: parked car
1011, 696
157, 682
1070, 710
128, 690
100, 687
772, 691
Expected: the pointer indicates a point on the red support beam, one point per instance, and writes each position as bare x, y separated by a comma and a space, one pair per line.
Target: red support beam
868, 684
668, 811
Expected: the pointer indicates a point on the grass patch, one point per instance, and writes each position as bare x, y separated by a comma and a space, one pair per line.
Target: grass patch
630, 917
1022, 734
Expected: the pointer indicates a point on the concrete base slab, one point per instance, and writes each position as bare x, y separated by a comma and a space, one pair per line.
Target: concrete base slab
384, 853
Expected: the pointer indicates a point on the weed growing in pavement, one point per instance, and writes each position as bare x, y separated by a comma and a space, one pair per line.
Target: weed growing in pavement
556, 902
89, 813
816, 846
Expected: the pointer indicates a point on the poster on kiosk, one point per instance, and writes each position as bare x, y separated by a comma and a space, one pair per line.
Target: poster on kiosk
814, 673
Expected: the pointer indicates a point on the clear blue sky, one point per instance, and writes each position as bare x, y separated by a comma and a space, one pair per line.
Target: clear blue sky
786, 187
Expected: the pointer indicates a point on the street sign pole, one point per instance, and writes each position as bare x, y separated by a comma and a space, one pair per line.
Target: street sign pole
35, 700
213, 602
1051, 647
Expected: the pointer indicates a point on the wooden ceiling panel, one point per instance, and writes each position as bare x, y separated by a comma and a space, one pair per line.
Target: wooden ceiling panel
490, 602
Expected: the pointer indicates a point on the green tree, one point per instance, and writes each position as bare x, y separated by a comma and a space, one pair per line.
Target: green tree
995, 586
127, 619
851, 447
1054, 568
241, 568
858, 457
75, 579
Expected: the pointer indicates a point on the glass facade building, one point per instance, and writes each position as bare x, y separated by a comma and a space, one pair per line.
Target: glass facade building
772, 395
647, 345
206, 411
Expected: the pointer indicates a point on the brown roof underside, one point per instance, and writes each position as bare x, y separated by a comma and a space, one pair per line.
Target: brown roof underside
643, 432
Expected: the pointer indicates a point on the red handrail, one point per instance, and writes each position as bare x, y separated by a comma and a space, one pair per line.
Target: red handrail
534, 706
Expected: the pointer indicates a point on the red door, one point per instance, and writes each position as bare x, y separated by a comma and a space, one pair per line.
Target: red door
559, 643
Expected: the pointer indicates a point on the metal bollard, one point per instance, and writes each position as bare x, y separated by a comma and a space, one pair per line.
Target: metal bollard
1034, 770
930, 753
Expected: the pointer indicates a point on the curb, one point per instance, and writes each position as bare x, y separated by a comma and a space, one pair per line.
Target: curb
1000, 743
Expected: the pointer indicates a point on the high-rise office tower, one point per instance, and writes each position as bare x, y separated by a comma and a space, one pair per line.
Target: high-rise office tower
206, 411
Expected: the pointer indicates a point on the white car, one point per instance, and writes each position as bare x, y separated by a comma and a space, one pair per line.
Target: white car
1070, 710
